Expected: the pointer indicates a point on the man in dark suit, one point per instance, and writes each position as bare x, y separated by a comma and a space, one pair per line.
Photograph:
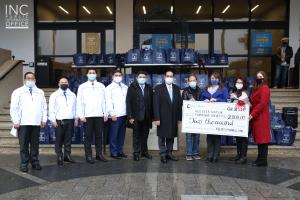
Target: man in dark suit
167, 104
139, 111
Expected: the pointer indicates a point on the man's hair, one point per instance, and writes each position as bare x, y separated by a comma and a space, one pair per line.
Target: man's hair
63, 77
169, 70
116, 71
27, 73
142, 72
91, 69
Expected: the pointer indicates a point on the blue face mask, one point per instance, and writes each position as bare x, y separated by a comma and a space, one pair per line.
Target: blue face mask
214, 82
91, 77
30, 84
141, 81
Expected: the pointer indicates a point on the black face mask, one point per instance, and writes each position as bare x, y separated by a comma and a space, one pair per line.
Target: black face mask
64, 86
284, 44
259, 81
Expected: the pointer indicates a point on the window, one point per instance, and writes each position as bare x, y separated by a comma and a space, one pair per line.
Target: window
109, 41
56, 42
154, 9
231, 41
261, 63
56, 11
231, 10
266, 10
91, 10
237, 67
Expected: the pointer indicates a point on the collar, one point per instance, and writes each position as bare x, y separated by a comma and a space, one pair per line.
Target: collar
27, 88
62, 91
171, 85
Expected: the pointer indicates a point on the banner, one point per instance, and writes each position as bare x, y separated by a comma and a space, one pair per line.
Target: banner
161, 41
261, 43
217, 118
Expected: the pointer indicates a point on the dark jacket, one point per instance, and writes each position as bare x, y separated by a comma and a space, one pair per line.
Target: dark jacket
221, 95
189, 93
297, 58
166, 111
288, 54
139, 107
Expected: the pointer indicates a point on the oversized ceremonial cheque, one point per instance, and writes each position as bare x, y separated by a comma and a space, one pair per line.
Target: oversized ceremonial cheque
217, 118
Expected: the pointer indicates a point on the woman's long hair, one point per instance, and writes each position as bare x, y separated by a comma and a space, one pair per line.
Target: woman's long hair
239, 92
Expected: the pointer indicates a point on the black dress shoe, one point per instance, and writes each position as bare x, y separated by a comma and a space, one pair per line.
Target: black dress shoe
115, 156
171, 157
101, 158
260, 164
90, 161
147, 155
241, 161
36, 166
163, 159
122, 155
59, 161
215, 160
209, 159
236, 158
24, 169
136, 157
69, 159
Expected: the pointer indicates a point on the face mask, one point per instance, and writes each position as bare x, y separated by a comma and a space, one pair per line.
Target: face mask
259, 81
239, 86
214, 81
118, 79
141, 81
193, 84
64, 86
284, 43
30, 84
169, 80
91, 77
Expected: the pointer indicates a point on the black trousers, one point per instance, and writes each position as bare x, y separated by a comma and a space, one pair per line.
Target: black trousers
165, 145
213, 146
93, 130
262, 153
29, 135
242, 146
140, 137
63, 134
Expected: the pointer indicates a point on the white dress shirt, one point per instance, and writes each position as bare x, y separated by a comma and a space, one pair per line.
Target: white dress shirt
28, 108
91, 100
62, 106
115, 95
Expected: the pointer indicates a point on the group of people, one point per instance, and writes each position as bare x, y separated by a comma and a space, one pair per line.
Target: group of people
136, 106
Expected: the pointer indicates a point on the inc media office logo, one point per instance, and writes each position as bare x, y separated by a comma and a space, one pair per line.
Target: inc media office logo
16, 16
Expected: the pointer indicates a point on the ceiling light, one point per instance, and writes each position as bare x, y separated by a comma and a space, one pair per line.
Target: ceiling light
254, 8
109, 10
171, 9
144, 10
198, 10
227, 7
60, 7
86, 10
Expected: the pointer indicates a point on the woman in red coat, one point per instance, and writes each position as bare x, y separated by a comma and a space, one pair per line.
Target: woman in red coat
260, 118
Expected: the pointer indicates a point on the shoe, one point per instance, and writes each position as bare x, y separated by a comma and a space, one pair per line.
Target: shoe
196, 157
163, 159
241, 161
189, 158
215, 160
36, 166
115, 156
69, 159
100, 157
260, 164
24, 169
209, 160
236, 158
60, 161
171, 157
122, 155
136, 157
275, 87
147, 155
90, 160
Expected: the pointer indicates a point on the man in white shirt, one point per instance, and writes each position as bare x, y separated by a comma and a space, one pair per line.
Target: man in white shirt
62, 114
91, 111
115, 95
28, 111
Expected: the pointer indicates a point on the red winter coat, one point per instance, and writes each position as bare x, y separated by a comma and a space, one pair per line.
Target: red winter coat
260, 122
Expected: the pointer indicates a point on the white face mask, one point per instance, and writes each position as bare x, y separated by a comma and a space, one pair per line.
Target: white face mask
193, 84
169, 80
117, 79
239, 86
30, 84
141, 81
